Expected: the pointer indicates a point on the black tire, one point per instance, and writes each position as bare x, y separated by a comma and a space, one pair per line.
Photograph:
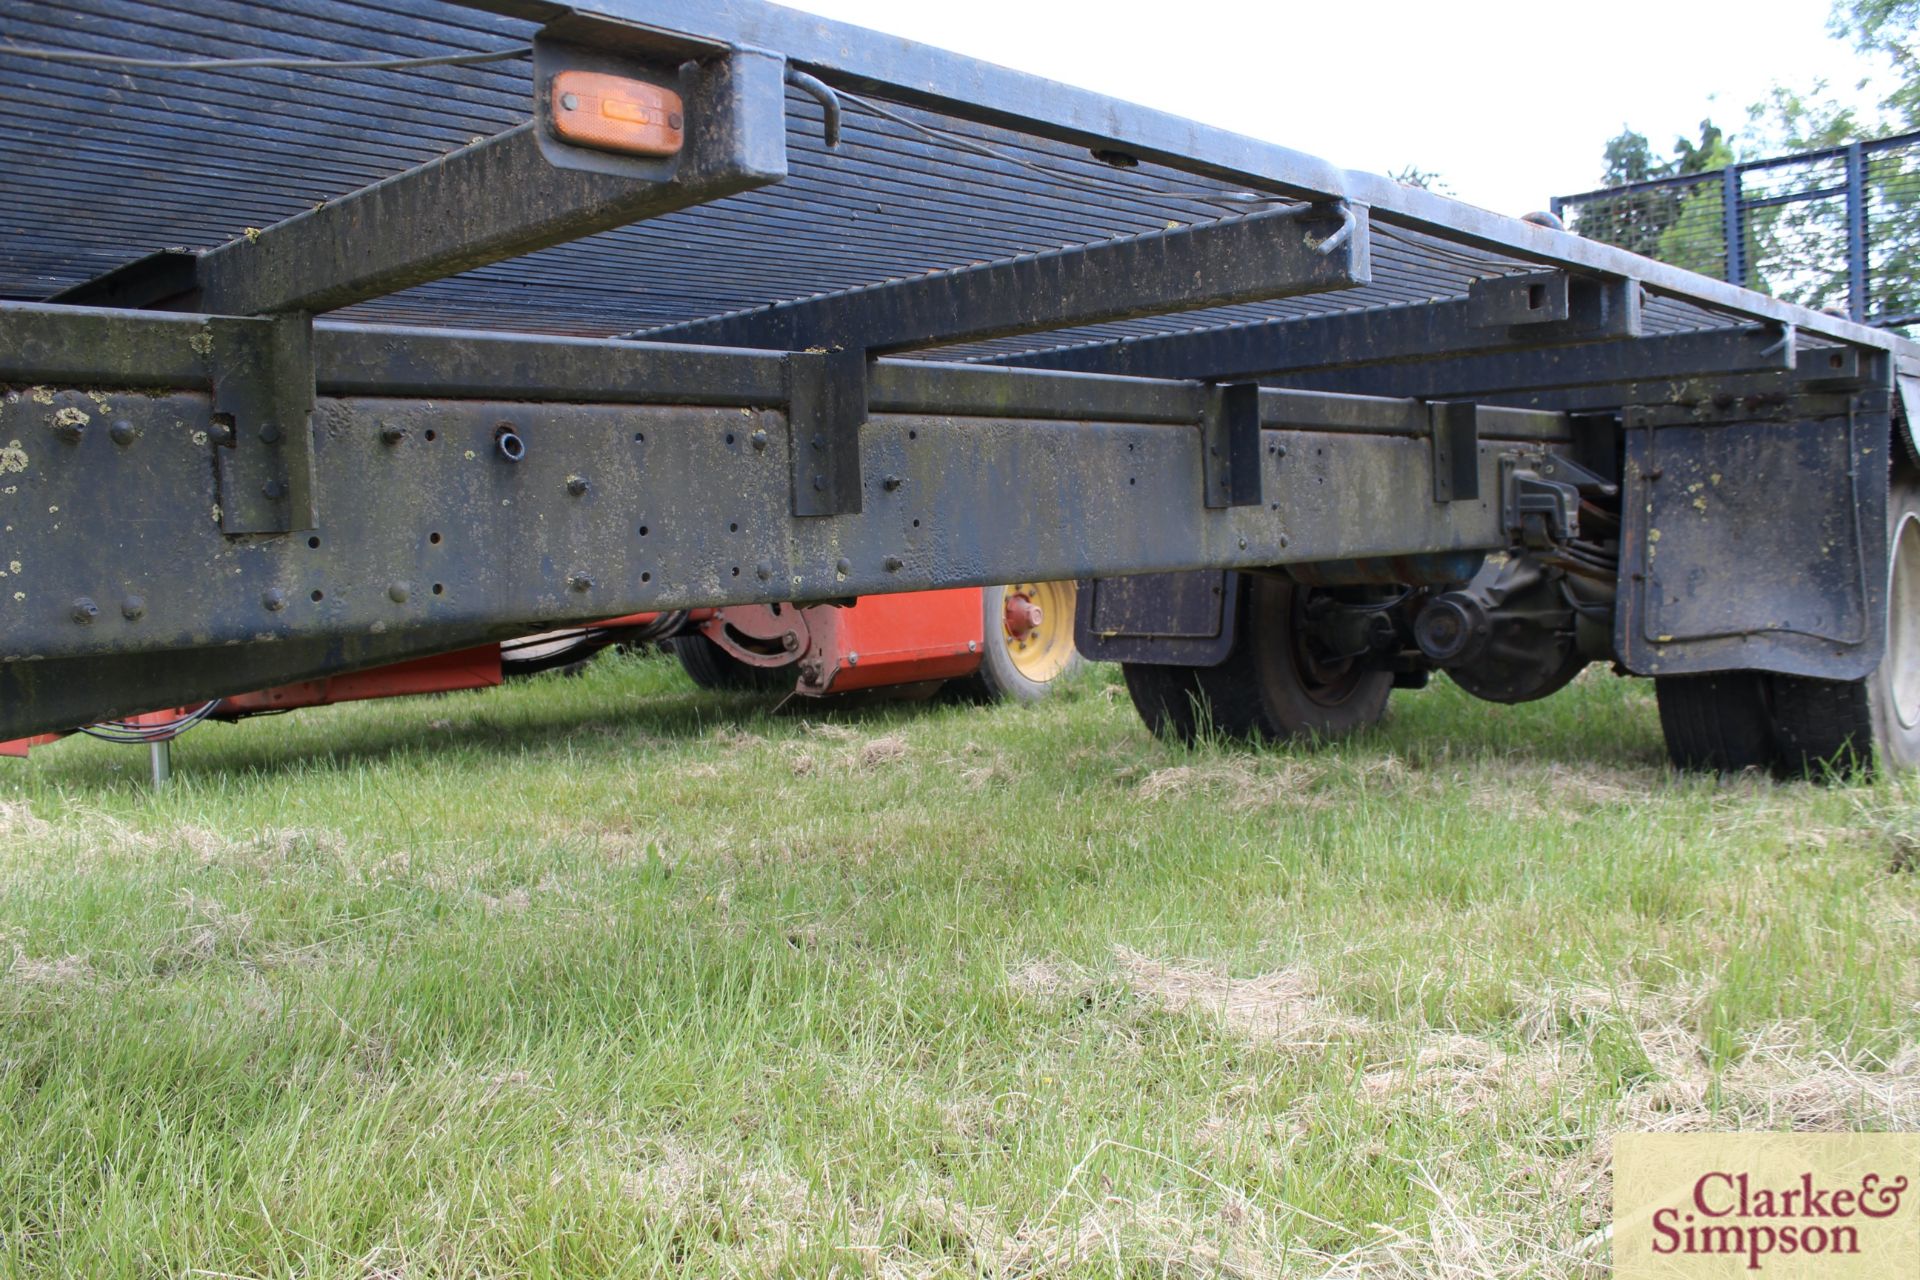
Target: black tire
1268, 689
1717, 722
999, 677
1825, 726
1842, 728
711, 667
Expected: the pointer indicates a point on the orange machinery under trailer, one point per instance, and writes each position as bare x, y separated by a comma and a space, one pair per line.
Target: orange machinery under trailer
921, 638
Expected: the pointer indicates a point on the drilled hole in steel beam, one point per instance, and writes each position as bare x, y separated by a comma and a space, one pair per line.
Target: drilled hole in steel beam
639, 437
646, 577
318, 595
439, 588
432, 435
643, 531
916, 524
729, 437
314, 543
434, 538
736, 571
732, 527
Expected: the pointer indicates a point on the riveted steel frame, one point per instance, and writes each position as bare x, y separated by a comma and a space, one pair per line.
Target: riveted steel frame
768, 456
654, 476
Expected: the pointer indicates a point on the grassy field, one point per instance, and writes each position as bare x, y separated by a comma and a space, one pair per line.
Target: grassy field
605, 976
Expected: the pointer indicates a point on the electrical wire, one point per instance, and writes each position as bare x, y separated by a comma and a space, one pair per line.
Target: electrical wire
277, 64
127, 733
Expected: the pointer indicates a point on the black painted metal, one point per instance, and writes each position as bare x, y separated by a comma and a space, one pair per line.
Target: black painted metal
502, 198
683, 506
863, 61
1758, 348
262, 376
1755, 536
1167, 619
1456, 451
1261, 256
150, 349
1230, 434
1594, 310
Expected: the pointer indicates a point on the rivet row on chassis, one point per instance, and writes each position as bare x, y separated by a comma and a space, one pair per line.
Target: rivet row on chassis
208, 490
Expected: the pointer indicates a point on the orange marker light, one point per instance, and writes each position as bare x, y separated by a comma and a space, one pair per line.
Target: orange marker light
612, 113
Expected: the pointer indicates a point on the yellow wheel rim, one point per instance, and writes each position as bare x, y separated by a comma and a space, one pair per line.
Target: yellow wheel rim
1041, 646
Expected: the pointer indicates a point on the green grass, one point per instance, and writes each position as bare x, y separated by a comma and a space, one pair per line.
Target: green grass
605, 976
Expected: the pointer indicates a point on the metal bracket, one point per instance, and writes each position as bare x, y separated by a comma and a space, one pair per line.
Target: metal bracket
1456, 450
1536, 297
1539, 512
1553, 306
262, 374
1230, 432
826, 407
1839, 368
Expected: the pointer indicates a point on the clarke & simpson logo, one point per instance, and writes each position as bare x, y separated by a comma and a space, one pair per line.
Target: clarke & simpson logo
1841, 1205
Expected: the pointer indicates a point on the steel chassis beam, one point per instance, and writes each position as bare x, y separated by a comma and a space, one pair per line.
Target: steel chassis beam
1262, 256
1718, 352
1587, 311
1278, 254
654, 476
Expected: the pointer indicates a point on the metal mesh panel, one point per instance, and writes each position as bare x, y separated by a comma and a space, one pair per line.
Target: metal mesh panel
1836, 230
1893, 235
1677, 222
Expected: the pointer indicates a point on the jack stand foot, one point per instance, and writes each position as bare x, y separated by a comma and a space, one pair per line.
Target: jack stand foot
161, 753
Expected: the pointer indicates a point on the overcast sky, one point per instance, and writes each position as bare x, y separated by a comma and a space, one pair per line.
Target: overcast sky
1509, 103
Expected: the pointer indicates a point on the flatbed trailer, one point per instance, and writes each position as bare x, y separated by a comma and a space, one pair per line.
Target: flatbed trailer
646, 305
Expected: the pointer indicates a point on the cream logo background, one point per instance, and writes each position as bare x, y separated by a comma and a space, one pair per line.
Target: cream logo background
1786, 1206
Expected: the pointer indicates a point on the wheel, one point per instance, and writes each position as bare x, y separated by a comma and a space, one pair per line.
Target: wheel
1275, 684
1841, 726
1029, 641
1717, 722
712, 667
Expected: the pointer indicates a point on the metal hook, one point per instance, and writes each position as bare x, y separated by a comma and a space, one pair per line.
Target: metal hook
820, 91
1347, 223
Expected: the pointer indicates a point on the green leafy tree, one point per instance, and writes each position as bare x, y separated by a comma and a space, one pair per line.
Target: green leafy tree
1799, 249
1795, 250
1677, 223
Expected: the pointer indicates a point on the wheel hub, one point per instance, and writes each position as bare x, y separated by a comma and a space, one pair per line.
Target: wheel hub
1036, 626
1023, 616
